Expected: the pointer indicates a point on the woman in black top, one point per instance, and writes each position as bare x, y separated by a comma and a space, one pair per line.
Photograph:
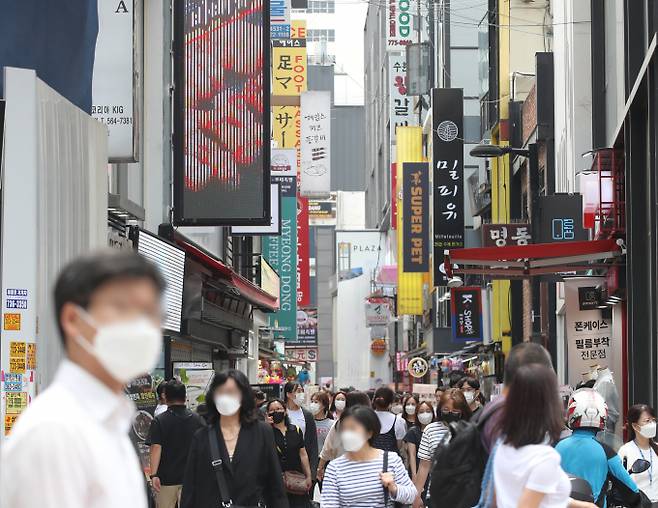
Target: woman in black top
290, 448
246, 447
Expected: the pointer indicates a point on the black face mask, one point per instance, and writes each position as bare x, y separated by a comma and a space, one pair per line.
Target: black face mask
278, 416
450, 417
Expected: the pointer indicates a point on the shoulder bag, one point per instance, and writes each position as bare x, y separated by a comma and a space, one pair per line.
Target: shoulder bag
217, 465
293, 481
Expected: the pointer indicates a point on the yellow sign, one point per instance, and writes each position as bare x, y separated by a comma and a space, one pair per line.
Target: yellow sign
412, 286
289, 70
9, 423
286, 125
12, 322
31, 356
15, 402
298, 29
17, 357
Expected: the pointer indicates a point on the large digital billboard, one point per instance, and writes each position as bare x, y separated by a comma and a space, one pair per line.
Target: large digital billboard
222, 113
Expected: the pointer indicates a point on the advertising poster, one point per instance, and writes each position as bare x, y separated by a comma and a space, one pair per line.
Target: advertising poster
322, 212
12, 322
415, 217
274, 227
142, 392
502, 235
15, 402
196, 376
401, 15
466, 306
284, 171
358, 253
448, 167
31, 356
589, 335
307, 327
222, 126
281, 253
315, 143
289, 66
17, 357
303, 256
10, 420
114, 78
378, 310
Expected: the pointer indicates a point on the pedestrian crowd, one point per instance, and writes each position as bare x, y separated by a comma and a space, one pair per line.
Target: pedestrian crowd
524, 449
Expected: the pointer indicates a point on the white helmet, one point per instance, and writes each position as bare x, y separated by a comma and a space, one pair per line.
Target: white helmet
587, 409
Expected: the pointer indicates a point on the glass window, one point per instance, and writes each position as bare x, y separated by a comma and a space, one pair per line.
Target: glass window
321, 6
317, 35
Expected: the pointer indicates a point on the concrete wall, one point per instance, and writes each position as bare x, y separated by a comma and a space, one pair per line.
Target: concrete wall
325, 268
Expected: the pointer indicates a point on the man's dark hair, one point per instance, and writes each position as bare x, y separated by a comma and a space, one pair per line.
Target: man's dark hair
161, 389
357, 398
470, 381
290, 387
175, 391
259, 396
366, 417
79, 280
455, 377
533, 409
522, 354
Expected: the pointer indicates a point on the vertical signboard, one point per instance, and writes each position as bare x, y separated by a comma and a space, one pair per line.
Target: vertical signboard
415, 217
222, 126
307, 327
114, 80
400, 106
400, 24
589, 334
315, 143
303, 254
289, 66
448, 168
281, 253
280, 19
466, 305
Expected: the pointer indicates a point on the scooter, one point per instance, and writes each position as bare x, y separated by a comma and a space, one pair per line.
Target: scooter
615, 492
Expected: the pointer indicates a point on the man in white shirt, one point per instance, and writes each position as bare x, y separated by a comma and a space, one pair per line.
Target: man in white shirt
70, 448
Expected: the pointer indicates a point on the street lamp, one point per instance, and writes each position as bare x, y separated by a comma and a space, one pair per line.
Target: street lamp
489, 151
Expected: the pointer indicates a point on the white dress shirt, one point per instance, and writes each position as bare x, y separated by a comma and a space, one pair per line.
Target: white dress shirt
70, 449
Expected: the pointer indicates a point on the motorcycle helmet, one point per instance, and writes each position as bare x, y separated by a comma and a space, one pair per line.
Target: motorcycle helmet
587, 409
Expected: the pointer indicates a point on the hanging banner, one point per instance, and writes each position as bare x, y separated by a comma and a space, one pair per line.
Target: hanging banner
280, 19
289, 66
415, 217
274, 227
448, 164
222, 126
284, 171
400, 106
589, 334
401, 14
466, 306
307, 327
502, 235
281, 253
378, 310
315, 143
113, 85
303, 255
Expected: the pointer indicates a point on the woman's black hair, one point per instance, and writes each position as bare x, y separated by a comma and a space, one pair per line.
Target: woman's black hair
290, 387
272, 401
383, 398
634, 415
366, 417
405, 416
430, 406
333, 400
247, 406
356, 399
533, 409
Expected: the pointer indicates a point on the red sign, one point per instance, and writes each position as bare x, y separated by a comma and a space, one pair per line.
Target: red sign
378, 347
303, 264
394, 195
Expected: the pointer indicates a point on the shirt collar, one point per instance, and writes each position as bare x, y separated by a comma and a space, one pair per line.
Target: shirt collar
100, 403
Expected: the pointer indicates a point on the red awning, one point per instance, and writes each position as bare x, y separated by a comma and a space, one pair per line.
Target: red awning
248, 290
529, 260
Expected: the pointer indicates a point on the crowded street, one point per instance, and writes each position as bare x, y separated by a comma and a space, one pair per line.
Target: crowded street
328, 253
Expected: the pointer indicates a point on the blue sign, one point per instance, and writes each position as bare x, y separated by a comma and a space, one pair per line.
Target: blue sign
563, 229
16, 304
279, 31
17, 293
13, 382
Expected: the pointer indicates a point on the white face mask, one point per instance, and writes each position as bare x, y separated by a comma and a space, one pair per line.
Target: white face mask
314, 407
648, 430
410, 409
299, 398
396, 409
352, 441
340, 405
424, 418
227, 405
125, 349
469, 396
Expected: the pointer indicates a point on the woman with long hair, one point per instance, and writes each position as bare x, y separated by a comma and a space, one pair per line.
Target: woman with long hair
365, 476
333, 447
291, 452
294, 401
410, 402
338, 404
393, 427
641, 428
241, 446
526, 468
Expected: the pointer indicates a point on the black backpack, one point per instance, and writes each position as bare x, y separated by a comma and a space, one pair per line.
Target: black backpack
458, 467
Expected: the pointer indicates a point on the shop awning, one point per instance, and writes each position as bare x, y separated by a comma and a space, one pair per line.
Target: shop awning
530, 260
242, 287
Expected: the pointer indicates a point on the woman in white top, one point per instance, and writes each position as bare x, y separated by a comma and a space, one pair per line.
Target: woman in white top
365, 477
526, 468
642, 431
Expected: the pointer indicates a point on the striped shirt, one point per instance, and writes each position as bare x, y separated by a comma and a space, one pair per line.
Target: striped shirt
348, 483
432, 437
